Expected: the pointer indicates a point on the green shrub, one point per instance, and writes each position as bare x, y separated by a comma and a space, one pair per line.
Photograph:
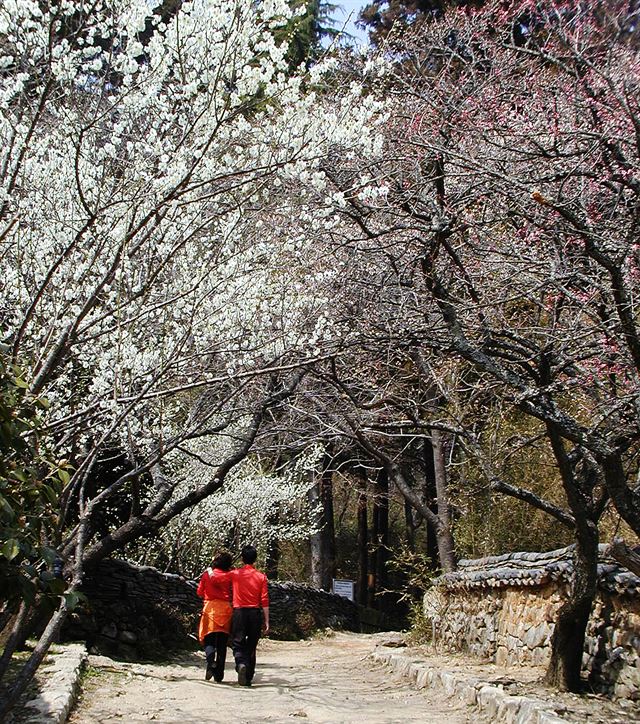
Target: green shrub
30, 488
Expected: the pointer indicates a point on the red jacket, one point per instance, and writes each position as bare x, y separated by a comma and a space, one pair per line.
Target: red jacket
215, 584
249, 588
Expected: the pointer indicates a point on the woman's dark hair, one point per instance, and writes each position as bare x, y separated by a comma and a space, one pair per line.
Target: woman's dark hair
222, 561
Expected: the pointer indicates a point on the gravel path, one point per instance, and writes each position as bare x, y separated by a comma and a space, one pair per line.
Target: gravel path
325, 680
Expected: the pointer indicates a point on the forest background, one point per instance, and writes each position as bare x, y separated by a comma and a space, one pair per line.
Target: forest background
363, 307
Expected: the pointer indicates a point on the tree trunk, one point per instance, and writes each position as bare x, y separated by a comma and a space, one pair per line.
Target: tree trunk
16, 635
5, 617
444, 535
28, 670
567, 641
328, 531
362, 543
315, 539
430, 494
372, 561
446, 552
620, 551
446, 548
322, 543
625, 498
409, 525
382, 542
272, 559
50, 633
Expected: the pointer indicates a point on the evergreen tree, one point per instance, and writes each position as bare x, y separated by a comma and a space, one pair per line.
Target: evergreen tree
308, 30
380, 16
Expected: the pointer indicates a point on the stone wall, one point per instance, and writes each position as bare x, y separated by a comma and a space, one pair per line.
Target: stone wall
138, 612
503, 608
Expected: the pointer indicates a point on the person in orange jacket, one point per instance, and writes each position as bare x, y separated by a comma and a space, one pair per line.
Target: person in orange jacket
215, 621
250, 614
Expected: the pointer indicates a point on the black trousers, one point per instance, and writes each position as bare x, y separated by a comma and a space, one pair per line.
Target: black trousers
215, 649
246, 627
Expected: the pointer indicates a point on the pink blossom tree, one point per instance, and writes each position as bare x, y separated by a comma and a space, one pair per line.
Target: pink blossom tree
504, 220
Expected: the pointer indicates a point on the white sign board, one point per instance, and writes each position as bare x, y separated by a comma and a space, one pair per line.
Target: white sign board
344, 588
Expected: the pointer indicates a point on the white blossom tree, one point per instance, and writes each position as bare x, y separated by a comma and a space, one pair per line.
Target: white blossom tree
143, 147
256, 505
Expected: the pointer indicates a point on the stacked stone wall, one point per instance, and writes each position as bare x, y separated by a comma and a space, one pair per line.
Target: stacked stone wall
138, 612
490, 608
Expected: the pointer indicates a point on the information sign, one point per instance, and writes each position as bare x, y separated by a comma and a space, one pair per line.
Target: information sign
344, 588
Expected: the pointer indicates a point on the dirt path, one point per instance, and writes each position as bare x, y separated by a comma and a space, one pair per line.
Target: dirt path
325, 680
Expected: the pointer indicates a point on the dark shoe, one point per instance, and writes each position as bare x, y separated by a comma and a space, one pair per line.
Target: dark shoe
242, 675
208, 673
218, 679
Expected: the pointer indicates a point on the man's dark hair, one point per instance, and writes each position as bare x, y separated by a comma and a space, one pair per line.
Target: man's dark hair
249, 554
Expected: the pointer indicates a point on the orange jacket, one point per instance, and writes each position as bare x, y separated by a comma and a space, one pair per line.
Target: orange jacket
215, 584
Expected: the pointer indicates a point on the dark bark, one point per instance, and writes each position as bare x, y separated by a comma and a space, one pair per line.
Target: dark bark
444, 534
160, 510
372, 563
382, 541
272, 560
446, 550
627, 557
20, 683
363, 541
17, 634
328, 530
5, 618
443, 537
626, 500
430, 494
152, 519
51, 630
410, 525
315, 539
567, 641
322, 543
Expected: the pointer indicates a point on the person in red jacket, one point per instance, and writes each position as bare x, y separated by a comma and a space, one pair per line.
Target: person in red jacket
250, 614
215, 621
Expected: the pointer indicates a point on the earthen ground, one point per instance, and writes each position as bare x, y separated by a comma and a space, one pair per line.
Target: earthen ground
323, 680
328, 679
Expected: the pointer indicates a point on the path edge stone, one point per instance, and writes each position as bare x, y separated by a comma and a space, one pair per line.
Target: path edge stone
62, 676
490, 699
